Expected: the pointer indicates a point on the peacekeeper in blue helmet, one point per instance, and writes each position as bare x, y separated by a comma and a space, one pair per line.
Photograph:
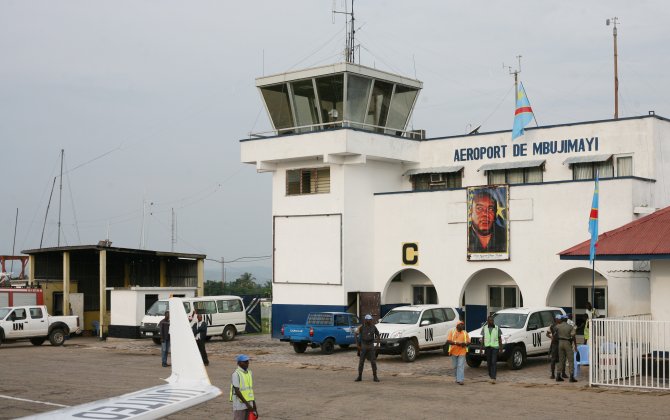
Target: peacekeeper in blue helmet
365, 337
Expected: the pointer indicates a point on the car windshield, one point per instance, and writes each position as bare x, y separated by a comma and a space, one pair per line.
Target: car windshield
401, 317
508, 320
158, 308
4, 312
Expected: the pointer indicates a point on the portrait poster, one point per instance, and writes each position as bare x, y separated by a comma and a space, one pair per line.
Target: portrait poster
488, 223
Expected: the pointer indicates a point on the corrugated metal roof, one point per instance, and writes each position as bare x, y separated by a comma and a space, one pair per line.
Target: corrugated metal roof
648, 236
511, 165
586, 159
436, 170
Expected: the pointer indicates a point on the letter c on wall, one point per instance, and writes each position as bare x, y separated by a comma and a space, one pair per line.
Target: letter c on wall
410, 253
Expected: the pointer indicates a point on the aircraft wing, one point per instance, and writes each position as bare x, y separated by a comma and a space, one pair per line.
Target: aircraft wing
188, 385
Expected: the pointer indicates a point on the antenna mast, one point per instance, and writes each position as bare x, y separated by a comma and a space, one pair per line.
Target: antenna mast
516, 76
350, 42
614, 22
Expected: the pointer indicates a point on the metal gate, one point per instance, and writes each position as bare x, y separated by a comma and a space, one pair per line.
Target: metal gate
631, 352
252, 305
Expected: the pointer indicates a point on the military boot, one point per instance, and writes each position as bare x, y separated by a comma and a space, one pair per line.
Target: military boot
572, 379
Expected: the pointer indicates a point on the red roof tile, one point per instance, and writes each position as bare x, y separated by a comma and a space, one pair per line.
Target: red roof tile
649, 235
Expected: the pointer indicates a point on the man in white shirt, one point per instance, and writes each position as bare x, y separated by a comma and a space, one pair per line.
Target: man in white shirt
200, 333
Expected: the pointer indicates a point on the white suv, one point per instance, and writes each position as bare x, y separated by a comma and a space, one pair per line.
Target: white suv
406, 330
523, 334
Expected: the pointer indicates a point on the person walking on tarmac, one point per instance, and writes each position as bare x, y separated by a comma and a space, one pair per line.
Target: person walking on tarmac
552, 333
200, 333
492, 345
164, 328
458, 340
365, 337
242, 391
566, 348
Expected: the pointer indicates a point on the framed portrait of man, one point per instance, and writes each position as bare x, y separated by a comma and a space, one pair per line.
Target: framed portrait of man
488, 223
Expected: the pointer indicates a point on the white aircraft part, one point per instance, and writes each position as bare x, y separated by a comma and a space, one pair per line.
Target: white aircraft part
188, 385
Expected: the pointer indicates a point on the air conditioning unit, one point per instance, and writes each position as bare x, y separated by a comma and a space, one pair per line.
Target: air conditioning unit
436, 178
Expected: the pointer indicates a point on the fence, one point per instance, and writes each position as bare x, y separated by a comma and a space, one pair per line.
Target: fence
630, 352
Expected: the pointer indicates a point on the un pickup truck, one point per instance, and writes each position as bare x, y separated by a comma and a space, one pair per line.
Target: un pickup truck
322, 329
35, 324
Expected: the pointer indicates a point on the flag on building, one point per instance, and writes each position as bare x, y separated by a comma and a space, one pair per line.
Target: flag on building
523, 114
593, 223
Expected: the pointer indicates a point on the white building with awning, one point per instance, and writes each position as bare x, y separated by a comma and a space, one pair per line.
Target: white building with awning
368, 215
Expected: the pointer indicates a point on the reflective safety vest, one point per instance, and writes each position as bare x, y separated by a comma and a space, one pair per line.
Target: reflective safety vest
450, 337
491, 336
246, 385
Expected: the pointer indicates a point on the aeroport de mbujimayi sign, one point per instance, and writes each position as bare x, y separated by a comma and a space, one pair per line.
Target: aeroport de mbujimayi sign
538, 148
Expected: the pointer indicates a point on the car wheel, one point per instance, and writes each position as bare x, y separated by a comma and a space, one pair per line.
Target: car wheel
228, 333
156, 341
37, 341
299, 347
57, 337
516, 359
328, 346
409, 351
473, 362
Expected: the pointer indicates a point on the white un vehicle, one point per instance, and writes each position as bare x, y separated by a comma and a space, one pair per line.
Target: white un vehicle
524, 333
35, 324
406, 330
225, 316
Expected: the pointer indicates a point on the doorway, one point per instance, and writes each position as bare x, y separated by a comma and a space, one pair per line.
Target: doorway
501, 297
581, 295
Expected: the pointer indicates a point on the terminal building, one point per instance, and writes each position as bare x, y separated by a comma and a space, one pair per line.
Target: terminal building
368, 216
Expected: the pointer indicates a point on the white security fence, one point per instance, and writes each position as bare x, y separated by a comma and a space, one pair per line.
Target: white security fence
630, 352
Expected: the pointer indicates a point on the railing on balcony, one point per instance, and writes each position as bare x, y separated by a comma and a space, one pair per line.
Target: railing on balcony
311, 128
631, 351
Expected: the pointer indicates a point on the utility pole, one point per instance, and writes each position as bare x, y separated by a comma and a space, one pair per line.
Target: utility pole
174, 239
60, 196
614, 21
223, 275
16, 222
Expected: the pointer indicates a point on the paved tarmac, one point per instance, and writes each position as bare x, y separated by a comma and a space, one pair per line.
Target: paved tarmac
309, 385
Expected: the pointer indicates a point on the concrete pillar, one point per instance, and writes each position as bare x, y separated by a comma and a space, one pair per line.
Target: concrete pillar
126, 274
162, 275
66, 283
103, 291
31, 275
201, 277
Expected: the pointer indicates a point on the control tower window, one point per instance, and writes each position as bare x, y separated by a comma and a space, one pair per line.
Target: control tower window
358, 92
401, 106
307, 181
330, 90
379, 104
304, 101
277, 101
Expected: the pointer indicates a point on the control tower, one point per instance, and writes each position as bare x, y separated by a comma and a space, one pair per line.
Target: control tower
336, 128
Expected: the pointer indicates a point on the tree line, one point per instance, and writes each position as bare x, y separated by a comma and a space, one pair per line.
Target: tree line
245, 284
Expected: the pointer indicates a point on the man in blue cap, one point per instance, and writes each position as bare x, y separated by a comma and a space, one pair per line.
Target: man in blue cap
365, 337
241, 390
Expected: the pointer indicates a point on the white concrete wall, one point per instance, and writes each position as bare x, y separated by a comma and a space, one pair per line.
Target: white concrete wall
660, 290
125, 308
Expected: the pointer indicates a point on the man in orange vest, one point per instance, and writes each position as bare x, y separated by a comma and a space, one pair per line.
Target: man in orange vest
458, 340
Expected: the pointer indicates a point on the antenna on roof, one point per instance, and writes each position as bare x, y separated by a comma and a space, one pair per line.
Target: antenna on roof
350, 43
516, 76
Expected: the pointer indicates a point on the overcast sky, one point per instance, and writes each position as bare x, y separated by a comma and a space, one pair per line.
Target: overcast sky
150, 98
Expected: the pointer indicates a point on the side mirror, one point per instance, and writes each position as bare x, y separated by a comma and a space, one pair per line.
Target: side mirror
424, 323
